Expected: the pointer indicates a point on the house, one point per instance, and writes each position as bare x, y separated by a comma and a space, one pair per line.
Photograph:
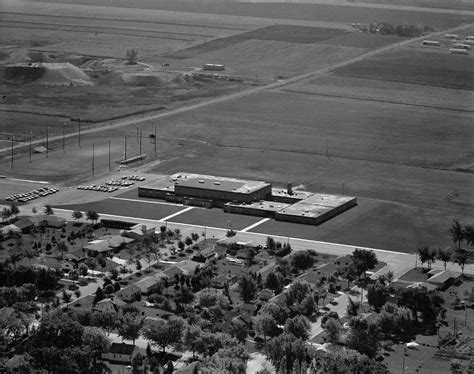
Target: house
223, 244
138, 231
67, 266
25, 225
443, 279
116, 242
189, 266
205, 254
121, 353
10, 229
243, 321
130, 293
95, 247
108, 305
76, 256
52, 221
147, 284
172, 271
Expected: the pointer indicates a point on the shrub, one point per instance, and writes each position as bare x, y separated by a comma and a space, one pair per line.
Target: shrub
83, 283
73, 287
181, 254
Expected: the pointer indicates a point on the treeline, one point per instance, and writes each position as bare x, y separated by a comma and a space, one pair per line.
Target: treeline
385, 28
43, 279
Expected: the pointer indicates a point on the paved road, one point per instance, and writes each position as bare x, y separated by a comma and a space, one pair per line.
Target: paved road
136, 119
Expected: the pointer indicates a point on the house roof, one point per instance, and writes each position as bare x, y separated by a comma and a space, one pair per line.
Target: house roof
10, 228
115, 241
442, 277
131, 287
76, 254
146, 283
122, 348
24, 224
172, 270
207, 252
98, 246
188, 266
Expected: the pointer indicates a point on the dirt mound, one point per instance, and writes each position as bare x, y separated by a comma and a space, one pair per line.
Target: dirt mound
76, 60
63, 74
28, 56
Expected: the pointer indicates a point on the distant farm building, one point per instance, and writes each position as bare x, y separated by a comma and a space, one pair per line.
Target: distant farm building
458, 51
461, 46
431, 43
451, 36
219, 67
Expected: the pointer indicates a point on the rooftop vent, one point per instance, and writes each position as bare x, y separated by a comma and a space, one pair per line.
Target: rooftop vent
201, 181
217, 183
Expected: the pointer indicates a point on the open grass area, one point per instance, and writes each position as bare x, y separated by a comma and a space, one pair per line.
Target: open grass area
410, 65
323, 12
386, 91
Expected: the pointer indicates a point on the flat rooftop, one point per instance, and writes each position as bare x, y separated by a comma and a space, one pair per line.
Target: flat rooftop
326, 200
206, 182
263, 205
317, 205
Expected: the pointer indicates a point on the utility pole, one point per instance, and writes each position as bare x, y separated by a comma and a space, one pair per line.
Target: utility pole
110, 167
79, 120
12, 153
403, 367
64, 129
140, 142
93, 166
125, 154
47, 142
137, 134
31, 135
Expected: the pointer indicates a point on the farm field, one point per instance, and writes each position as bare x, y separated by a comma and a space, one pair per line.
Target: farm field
386, 91
432, 68
281, 50
314, 12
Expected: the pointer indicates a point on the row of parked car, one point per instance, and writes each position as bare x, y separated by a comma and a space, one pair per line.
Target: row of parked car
115, 182
33, 194
99, 188
134, 178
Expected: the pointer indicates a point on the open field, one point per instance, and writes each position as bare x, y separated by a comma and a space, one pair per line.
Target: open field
386, 91
433, 68
314, 12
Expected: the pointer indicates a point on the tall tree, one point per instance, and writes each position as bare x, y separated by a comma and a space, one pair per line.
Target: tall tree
164, 333
377, 295
266, 325
363, 337
92, 215
247, 288
48, 210
363, 260
457, 233
14, 210
461, 257
444, 256
77, 215
129, 325
191, 337
299, 327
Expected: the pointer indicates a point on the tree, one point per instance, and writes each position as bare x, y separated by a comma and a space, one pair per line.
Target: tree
247, 288
6, 214
302, 260
284, 350
74, 275
181, 245
469, 234
138, 264
83, 269
62, 247
444, 256
164, 333
98, 343
188, 241
77, 293
424, 254
266, 325
92, 215
377, 295
99, 295
363, 260
333, 330
130, 325
460, 258
14, 210
299, 327
457, 233
34, 210
66, 297
352, 308
48, 210
191, 338
177, 233
131, 57
456, 367
297, 292
77, 215
363, 337
271, 245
